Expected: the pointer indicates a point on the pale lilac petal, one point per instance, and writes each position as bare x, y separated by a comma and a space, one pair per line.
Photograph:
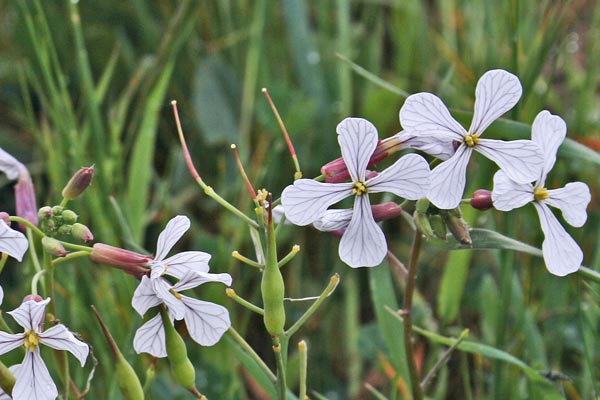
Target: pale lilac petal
424, 114
33, 381
306, 200
163, 290
357, 138
497, 92
408, 177
30, 314
206, 322
11, 166
10, 341
174, 230
332, 220
179, 264
548, 131
194, 279
508, 194
60, 338
12, 242
363, 244
447, 180
144, 297
521, 160
561, 254
150, 338
438, 146
572, 200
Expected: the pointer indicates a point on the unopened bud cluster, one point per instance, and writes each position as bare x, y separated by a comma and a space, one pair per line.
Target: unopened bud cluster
433, 222
58, 220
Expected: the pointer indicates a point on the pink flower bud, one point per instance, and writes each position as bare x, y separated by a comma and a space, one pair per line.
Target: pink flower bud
82, 232
25, 199
53, 246
482, 200
384, 211
78, 183
33, 297
336, 170
133, 263
4, 216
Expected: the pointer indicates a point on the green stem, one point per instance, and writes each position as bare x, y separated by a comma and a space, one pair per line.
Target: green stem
281, 381
3, 259
289, 255
28, 224
333, 282
244, 345
70, 256
35, 280
351, 323
233, 295
34, 257
303, 356
417, 392
76, 247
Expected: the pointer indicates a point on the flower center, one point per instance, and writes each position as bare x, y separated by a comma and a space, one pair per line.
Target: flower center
540, 194
174, 293
359, 189
471, 140
31, 340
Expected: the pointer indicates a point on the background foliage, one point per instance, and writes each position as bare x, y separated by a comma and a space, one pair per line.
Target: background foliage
90, 83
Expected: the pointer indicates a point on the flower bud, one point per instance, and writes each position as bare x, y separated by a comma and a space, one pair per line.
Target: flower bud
438, 225
457, 225
130, 261
336, 170
385, 211
78, 183
53, 246
69, 217
33, 297
57, 210
82, 232
422, 223
45, 212
65, 230
4, 217
482, 200
25, 199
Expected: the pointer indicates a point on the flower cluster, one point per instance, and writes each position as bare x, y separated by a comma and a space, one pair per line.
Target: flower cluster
206, 322
429, 127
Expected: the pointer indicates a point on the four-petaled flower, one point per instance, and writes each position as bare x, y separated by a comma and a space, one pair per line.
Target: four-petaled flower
425, 115
561, 254
206, 322
363, 242
33, 381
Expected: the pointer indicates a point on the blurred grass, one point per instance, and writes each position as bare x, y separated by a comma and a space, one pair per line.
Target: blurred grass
90, 83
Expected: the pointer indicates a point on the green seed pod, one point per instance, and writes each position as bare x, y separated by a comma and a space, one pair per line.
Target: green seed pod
422, 223
272, 287
438, 225
69, 217
181, 367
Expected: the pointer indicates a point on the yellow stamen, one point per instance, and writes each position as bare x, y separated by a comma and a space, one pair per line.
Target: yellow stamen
540, 194
31, 340
471, 140
359, 189
174, 293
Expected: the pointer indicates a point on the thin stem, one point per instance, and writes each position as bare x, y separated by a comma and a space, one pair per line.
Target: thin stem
35, 280
78, 247
28, 224
333, 282
408, 298
235, 254
3, 261
233, 295
442, 360
70, 256
244, 345
34, 257
281, 381
207, 189
289, 256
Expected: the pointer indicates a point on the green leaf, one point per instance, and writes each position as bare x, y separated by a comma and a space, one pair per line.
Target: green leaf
486, 239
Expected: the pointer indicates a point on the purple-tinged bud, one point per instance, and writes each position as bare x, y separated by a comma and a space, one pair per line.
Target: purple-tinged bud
4, 217
25, 199
53, 246
33, 297
131, 262
45, 212
336, 170
384, 211
82, 232
482, 200
78, 183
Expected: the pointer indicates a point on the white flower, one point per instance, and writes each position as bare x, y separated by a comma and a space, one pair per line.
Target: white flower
12, 242
561, 254
33, 381
425, 115
363, 242
206, 322
179, 264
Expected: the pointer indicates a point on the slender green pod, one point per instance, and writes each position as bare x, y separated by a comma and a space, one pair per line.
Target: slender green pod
272, 286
